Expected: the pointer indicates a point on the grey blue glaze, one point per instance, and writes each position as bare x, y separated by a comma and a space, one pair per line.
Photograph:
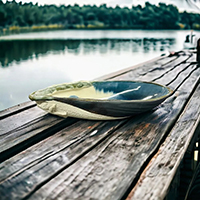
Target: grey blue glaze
129, 90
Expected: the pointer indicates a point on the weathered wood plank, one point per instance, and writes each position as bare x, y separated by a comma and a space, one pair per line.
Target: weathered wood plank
25, 128
125, 146
172, 72
145, 67
16, 109
193, 58
20, 117
177, 82
152, 70
51, 156
117, 160
155, 181
18, 170
66, 138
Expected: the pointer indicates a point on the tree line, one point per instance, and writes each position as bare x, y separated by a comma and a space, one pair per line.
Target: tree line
162, 16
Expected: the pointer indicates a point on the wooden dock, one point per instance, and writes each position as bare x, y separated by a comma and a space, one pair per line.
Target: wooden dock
148, 156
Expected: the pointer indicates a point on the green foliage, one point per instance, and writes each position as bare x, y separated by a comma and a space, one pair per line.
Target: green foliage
13, 14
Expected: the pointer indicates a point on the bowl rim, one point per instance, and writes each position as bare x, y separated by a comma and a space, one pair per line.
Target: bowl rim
47, 97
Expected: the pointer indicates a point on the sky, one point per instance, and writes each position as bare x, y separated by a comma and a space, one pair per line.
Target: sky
181, 4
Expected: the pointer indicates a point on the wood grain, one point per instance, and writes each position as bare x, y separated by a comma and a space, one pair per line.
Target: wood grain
46, 159
96, 159
22, 125
16, 109
84, 159
163, 167
110, 168
154, 70
23, 129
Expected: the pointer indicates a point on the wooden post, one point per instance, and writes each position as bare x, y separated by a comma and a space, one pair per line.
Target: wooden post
198, 50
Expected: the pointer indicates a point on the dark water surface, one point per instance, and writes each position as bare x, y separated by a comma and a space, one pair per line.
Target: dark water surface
32, 61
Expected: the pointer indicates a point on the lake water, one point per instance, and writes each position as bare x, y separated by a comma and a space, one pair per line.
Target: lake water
32, 61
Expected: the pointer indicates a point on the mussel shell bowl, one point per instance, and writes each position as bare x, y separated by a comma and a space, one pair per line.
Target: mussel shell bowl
100, 100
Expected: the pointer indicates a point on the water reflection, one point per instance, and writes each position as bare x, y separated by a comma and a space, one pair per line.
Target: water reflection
20, 50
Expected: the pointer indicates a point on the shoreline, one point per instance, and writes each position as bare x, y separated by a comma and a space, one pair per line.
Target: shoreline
37, 29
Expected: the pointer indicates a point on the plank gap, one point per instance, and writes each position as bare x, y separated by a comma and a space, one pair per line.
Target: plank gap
175, 66
184, 81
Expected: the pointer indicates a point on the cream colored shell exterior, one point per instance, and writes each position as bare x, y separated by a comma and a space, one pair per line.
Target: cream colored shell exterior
66, 110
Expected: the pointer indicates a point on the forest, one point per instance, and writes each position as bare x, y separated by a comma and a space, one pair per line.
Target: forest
18, 17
